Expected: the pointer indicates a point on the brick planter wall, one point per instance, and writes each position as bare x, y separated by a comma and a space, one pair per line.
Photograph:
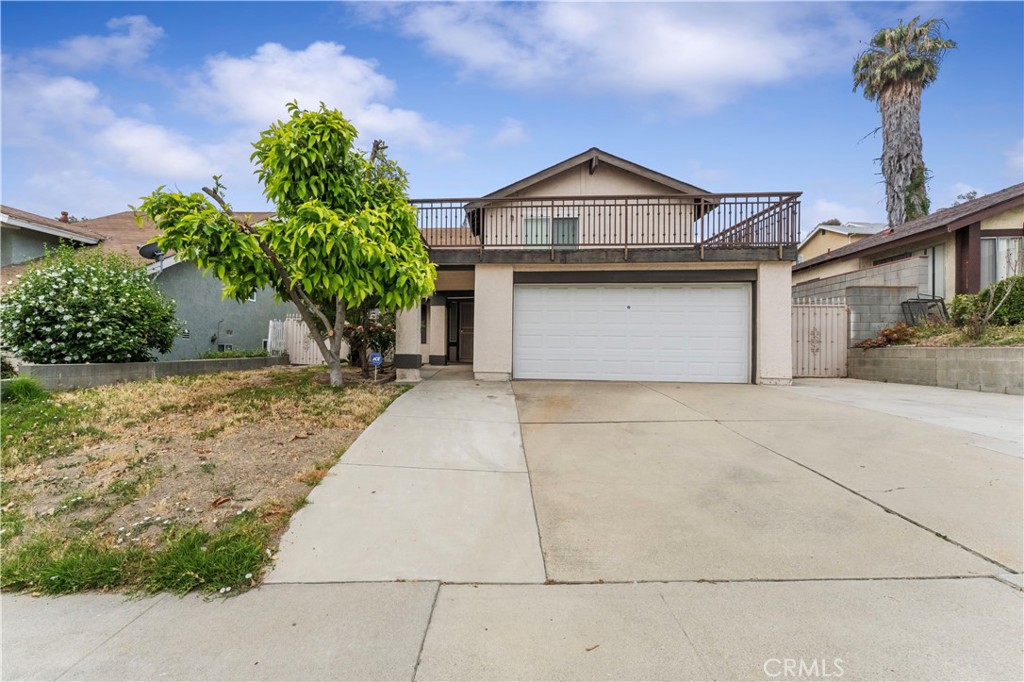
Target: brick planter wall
993, 370
54, 377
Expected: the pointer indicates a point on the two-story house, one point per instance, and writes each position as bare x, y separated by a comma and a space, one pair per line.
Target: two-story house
599, 268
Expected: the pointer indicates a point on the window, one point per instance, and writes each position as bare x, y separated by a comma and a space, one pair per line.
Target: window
252, 298
221, 347
936, 285
543, 232
1000, 257
891, 259
423, 321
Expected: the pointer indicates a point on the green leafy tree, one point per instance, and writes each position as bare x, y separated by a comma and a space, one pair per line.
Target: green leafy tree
899, 63
86, 306
344, 231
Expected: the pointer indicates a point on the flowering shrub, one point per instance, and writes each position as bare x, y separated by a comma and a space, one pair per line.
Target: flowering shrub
87, 306
376, 335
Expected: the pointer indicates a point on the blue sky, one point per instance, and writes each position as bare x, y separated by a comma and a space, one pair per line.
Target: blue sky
103, 102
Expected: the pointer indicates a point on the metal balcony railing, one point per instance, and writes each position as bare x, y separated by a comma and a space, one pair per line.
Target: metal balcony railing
590, 222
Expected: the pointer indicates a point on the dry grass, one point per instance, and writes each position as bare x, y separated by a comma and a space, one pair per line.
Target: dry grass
187, 452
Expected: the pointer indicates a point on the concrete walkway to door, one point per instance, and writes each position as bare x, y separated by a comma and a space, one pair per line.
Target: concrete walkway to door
435, 489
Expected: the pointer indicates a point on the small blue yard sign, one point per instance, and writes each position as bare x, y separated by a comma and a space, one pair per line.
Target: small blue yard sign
376, 359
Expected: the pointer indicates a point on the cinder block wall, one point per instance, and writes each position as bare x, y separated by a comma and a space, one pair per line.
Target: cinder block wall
992, 370
56, 377
872, 309
873, 294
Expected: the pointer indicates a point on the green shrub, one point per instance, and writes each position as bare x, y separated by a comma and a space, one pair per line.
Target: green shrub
239, 353
1012, 311
86, 306
962, 308
22, 390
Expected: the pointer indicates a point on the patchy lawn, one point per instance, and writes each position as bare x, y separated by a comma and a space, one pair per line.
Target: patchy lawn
172, 484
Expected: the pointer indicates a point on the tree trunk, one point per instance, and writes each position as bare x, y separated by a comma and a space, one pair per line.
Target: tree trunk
364, 352
900, 104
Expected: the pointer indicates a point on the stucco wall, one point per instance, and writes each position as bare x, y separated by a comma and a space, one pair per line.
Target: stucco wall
18, 246
492, 342
993, 370
666, 224
454, 280
824, 241
606, 180
774, 351
1012, 219
206, 315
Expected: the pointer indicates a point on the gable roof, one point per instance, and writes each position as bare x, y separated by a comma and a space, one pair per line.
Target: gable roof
37, 223
944, 220
848, 229
121, 234
594, 157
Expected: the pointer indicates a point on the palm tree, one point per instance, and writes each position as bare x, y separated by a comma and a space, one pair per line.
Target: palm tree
893, 71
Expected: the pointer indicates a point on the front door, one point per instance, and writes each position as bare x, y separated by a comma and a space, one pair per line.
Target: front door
465, 331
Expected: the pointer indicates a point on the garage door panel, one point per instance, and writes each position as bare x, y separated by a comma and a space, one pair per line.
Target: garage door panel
683, 332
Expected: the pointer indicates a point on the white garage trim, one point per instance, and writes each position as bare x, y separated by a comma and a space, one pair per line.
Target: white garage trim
633, 332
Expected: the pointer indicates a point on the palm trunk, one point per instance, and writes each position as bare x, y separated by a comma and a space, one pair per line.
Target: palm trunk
902, 153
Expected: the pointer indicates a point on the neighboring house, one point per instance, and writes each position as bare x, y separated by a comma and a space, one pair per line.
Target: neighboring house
25, 237
826, 237
598, 268
210, 322
956, 250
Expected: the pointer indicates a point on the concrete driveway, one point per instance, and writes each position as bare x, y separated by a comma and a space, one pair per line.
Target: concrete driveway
566, 530
653, 481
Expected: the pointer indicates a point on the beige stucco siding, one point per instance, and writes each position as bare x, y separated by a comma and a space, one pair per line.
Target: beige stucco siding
774, 351
1013, 219
823, 241
492, 342
494, 292
454, 280
609, 223
606, 180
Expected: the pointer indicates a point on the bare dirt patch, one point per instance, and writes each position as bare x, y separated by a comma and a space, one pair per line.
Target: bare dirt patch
191, 452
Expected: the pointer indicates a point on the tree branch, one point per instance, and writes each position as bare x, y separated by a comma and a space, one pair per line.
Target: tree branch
290, 286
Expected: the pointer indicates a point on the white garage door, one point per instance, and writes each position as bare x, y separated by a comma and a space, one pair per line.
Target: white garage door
658, 332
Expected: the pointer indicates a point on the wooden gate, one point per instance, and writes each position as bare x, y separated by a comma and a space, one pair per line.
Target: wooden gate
820, 338
291, 335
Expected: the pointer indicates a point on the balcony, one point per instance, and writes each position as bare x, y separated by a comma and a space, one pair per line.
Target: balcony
679, 227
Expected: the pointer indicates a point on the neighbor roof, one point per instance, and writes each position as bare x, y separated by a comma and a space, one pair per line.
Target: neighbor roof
30, 221
848, 228
946, 220
596, 156
122, 234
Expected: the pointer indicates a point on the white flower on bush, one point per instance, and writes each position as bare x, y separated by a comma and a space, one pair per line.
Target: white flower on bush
119, 316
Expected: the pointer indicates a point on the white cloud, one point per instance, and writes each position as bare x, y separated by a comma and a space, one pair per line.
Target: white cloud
254, 89
821, 210
153, 150
510, 134
703, 54
130, 40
